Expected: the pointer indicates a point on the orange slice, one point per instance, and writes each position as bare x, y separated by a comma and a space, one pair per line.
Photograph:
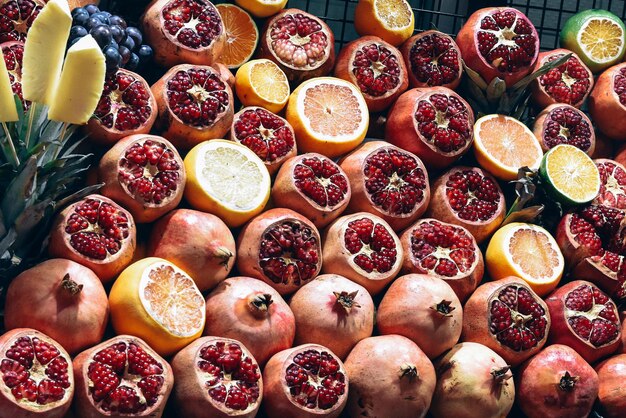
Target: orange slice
262, 83
242, 35
391, 20
262, 8
503, 144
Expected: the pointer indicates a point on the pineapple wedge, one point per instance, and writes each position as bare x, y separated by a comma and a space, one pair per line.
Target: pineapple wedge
8, 111
81, 83
44, 51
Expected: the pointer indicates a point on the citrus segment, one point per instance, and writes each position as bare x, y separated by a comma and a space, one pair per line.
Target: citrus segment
391, 20
262, 83
262, 8
242, 35
396, 14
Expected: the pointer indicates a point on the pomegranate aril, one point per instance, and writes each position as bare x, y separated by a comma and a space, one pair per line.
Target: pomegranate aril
298, 40
507, 26
434, 60
16, 17
565, 125
264, 133
591, 322
319, 179
376, 69
568, 83
619, 85
473, 196
444, 121
612, 184
197, 96
372, 244
194, 24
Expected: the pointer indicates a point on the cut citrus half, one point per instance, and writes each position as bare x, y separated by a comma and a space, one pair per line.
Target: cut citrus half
391, 20
262, 8
155, 300
242, 35
570, 175
328, 115
262, 83
503, 145
527, 251
226, 179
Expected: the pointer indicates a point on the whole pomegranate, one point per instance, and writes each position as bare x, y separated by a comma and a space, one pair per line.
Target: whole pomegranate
607, 102
217, 377
472, 381
622, 346
388, 182
306, 381
584, 318
250, 311
121, 377
557, 383
508, 317
184, 32
199, 243
564, 124
424, 309
62, 299
613, 183
363, 248
389, 373
37, 378
332, 310
434, 123
499, 42
97, 233
612, 392
13, 52
16, 17
280, 247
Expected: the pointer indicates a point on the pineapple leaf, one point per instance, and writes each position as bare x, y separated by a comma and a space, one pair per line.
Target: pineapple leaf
7, 241
495, 89
78, 195
30, 219
475, 77
20, 191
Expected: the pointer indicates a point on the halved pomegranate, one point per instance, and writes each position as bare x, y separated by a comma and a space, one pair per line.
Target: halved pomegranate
126, 107
306, 381
444, 250
433, 59
300, 43
607, 102
95, 232
13, 52
363, 248
613, 187
280, 247
268, 135
499, 42
388, 182
122, 376
435, 124
145, 174
218, 377
470, 197
564, 124
37, 378
569, 83
584, 318
16, 17
314, 186
184, 32
376, 68
195, 104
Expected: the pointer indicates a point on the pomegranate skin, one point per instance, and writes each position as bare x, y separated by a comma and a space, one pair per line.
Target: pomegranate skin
612, 391
62, 299
538, 384
605, 108
389, 373
424, 309
199, 243
622, 346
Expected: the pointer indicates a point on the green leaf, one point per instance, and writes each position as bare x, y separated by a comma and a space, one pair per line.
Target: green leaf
7, 241
78, 195
527, 215
475, 77
524, 82
19, 191
29, 219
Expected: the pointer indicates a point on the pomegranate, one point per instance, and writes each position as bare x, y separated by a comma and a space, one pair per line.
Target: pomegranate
304, 382
268, 135
620, 152
607, 102
569, 83
195, 104
225, 73
333, 310
424, 309
145, 174
508, 317
433, 59
564, 124
557, 383
446, 251
62, 299
387, 181
37, 379
584, 318
97, 233
622, 346
605, 147
252, 312
472, 381
435, 124
612, 392
314, 186
613, 184
13, 52
499, 42
300, 43
121, 377
184, 32
389, 373
16, 17
217, 377
126, 107
280, 247
199, 243
470, 197
376, 68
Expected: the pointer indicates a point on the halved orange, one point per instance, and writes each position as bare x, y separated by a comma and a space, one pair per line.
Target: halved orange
503, 145
262, 83
391, 20
262, 8
242, 35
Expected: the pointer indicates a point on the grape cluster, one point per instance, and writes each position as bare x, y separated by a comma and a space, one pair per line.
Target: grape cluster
121, 44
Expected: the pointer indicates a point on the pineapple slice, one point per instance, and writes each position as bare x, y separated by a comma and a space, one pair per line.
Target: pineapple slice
44, 50
81, 83
8, 111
